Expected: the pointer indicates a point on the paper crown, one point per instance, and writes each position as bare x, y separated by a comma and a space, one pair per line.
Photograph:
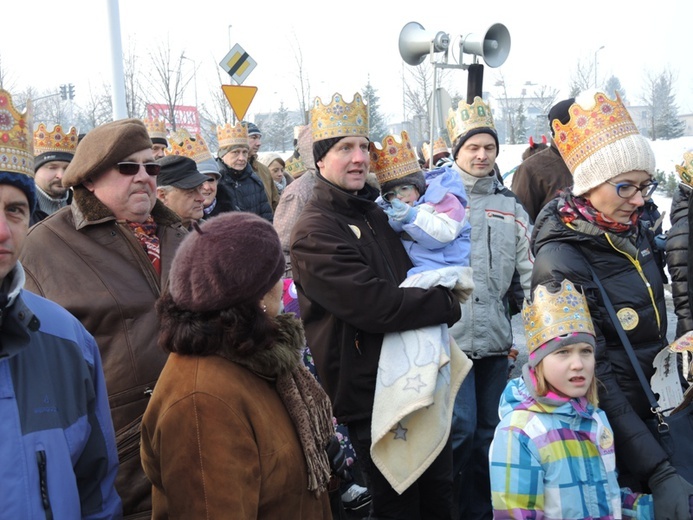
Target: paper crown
339, 118
550, 315
182, 143
396, 159
468, 117
295, 166
228, 135
16, 139
155, 128
439, 147
591, 129
46, 141
686, 171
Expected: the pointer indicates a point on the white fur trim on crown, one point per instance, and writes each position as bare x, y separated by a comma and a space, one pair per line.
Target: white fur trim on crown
631, 153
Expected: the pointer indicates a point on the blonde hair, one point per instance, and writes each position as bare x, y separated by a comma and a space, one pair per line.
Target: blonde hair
543, 387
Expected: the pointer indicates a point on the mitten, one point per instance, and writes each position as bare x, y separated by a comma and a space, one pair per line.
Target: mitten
671, 493
401, 212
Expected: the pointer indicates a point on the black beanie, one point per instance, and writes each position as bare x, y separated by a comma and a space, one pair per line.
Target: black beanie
481, 130
47, 157
320, 148
417, 179
159, 140
560, 111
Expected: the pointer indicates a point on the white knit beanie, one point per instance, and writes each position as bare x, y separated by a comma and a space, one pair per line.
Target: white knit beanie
623, 154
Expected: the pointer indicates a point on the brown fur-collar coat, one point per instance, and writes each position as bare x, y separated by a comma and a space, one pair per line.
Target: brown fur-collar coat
91, 264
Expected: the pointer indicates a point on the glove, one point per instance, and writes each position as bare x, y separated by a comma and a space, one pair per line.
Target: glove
338, 460
400, 211
670, 493
464, 286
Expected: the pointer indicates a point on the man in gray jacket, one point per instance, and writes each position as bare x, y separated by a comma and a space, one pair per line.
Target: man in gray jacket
500, 246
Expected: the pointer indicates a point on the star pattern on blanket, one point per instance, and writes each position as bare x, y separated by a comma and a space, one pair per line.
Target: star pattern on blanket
400, 432
414, 383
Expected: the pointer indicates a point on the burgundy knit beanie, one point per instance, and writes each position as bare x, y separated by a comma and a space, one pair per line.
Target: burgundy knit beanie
103, 147
234, 258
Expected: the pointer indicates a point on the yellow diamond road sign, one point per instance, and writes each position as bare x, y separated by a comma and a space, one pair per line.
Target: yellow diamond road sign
238, 64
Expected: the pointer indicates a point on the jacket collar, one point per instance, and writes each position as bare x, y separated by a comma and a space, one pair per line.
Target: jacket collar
474, 184
336, 197
87, 209
16, 319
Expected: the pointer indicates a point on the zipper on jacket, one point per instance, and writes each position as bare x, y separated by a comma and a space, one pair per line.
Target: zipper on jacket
43, 484
638, 268
357, 342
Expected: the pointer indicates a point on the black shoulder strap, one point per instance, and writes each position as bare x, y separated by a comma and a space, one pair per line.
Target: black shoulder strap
626, 344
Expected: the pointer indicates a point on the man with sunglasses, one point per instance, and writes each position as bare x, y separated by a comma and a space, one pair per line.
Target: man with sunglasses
105, 259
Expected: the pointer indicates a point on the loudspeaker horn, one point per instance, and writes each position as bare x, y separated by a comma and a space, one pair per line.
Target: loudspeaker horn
415, 42
494, 47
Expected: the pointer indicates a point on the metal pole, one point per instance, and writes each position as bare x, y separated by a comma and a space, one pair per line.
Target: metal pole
595, 65
433, 108
118, 82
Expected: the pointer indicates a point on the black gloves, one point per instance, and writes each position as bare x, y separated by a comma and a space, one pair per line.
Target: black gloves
670, 493
338, 460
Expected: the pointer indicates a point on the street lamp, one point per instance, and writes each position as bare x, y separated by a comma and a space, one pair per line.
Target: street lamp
595, 65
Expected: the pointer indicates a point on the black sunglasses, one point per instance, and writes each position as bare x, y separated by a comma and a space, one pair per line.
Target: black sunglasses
132, 168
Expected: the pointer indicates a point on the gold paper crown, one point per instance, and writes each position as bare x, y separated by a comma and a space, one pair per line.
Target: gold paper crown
295, 166
394, 160
155, 128
590, 129
195, 148
55, 141
554, 314
439, 146
16, 139
686, 171
339, 118
467, 117
232, 135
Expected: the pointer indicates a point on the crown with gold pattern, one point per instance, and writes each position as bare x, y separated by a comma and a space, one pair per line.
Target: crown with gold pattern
439, 147
156, 128
182, 143
228, 135
46, 141
550, 315
339, 118
686, 171
16, 139
593, 128
468, 117
396, 159
295, 166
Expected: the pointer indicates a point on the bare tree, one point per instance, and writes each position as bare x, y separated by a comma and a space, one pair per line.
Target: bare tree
134, 101
511, 123
303, 87
544, 97
169, 82
582, 77
97, 110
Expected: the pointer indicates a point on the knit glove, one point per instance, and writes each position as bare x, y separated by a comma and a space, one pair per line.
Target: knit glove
401, 212
670, 493
338, 459
464, 286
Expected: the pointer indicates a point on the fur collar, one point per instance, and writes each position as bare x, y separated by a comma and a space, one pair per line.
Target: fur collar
89, 209
284, 355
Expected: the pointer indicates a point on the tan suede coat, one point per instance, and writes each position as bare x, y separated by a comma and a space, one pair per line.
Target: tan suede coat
83, 259
217, 442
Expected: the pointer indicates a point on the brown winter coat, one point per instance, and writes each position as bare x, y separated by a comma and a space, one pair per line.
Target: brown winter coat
81, 258
267, 181
539, 178
217, 442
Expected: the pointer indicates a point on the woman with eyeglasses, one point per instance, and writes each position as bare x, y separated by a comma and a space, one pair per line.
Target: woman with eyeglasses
596, 225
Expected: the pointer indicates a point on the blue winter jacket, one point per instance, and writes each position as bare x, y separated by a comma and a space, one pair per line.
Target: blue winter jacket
57, 456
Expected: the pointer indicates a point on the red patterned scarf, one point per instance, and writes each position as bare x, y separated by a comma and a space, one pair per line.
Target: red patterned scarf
572, 208
145, 232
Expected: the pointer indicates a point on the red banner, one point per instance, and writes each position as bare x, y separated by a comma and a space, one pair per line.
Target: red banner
186, 116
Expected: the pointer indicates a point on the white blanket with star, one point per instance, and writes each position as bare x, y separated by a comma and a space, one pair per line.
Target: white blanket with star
419, 374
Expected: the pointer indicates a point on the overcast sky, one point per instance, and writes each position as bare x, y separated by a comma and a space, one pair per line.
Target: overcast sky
45, 44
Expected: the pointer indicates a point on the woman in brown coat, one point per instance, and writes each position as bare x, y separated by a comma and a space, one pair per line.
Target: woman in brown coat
237, 426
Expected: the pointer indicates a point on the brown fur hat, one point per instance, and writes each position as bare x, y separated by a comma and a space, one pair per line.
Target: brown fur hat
103, 147
233, 258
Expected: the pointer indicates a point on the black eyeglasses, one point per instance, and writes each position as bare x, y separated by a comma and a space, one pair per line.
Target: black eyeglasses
626, 190
132, 168
403, 190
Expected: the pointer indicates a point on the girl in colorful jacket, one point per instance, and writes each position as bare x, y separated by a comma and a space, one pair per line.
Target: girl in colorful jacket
553, 453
